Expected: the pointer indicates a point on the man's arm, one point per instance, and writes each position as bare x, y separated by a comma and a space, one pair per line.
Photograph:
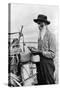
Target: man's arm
48, 54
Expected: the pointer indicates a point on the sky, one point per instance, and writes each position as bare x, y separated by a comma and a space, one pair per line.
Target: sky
23, 14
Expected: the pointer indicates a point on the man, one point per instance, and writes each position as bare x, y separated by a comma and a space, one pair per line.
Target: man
46, 51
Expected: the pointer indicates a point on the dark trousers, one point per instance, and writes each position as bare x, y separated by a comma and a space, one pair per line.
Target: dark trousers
45, 73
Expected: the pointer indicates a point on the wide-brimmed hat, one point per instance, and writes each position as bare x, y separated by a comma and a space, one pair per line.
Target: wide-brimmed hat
41, 18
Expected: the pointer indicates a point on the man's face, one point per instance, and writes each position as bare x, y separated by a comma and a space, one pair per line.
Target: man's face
41, 25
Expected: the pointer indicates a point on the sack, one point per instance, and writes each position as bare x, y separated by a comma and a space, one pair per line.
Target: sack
25, 57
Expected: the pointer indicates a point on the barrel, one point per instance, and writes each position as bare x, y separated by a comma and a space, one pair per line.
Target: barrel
25, 57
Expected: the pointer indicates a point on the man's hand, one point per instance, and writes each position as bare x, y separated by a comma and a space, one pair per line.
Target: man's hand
33, 49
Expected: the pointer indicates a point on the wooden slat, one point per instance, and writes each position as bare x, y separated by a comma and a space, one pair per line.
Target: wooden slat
13, 33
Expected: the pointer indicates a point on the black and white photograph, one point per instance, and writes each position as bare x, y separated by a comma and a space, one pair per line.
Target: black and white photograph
32, 44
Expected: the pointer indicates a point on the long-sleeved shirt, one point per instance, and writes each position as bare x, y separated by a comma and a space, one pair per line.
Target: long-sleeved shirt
47, 45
